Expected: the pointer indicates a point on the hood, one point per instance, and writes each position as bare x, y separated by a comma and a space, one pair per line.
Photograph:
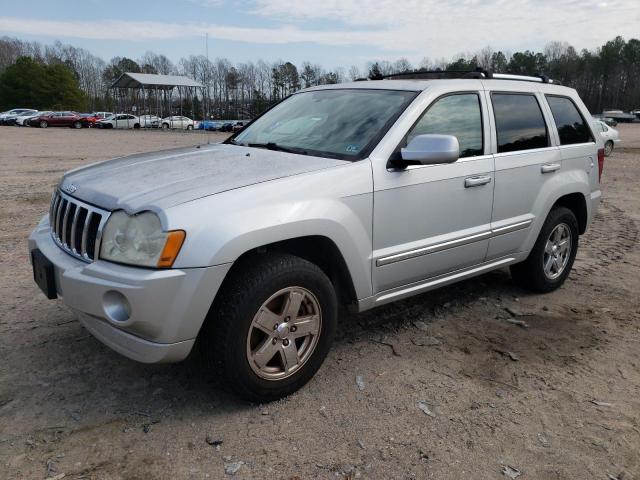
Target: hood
167, 178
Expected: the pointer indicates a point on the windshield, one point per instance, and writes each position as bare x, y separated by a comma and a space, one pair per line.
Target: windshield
341, 123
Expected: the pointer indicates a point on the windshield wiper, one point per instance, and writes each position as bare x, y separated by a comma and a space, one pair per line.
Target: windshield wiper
276, 147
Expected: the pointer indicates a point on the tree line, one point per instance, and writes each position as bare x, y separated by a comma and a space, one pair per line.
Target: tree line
66, 77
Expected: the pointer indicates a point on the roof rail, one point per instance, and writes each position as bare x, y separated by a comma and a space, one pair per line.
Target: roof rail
478, 73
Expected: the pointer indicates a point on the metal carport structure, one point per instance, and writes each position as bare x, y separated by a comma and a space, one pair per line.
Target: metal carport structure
143, 85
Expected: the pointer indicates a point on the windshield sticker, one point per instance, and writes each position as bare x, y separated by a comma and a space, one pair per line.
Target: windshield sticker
352, 148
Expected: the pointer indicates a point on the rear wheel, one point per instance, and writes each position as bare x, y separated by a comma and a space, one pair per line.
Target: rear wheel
77, 125
608, 148
189, 127
270, 327
136, 126
165, 126
43, 124
550, 261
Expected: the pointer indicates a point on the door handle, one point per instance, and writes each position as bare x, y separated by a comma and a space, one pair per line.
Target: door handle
550, 167
476, 181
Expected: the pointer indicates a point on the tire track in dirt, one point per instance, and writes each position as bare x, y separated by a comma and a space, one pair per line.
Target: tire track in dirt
611, 236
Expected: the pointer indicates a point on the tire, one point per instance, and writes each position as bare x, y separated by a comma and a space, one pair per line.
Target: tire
136, 126
230, 340
189, 127
76, 125
43, 124
531, 273
608, 148
165, 126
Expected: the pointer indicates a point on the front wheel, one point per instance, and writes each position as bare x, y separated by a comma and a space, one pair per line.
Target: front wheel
550, 261
43, 124
270, 327
189, 127
608, 148
165, 126
77, 125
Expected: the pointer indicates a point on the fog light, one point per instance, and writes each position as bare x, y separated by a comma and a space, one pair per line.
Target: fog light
116, 306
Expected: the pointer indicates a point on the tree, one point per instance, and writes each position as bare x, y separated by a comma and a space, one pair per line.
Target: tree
374, 72
29, 83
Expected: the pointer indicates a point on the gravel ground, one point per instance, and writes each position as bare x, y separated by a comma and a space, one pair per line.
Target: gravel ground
447, 386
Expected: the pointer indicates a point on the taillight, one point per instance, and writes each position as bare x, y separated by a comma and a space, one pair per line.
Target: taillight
600, 163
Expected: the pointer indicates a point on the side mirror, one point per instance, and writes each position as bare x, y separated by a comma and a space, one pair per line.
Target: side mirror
431, 150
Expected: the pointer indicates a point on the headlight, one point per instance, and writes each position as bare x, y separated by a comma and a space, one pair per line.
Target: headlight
139, 240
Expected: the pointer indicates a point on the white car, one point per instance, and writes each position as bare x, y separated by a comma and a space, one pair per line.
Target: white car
610, 136
150, 121
179, 122
23, 119
121, 120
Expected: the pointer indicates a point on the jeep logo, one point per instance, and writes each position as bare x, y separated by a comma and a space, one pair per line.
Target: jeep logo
71, 188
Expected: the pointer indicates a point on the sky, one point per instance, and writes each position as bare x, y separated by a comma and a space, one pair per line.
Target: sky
332, 33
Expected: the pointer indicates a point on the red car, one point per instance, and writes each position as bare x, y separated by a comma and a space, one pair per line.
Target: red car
89, 119
57, 119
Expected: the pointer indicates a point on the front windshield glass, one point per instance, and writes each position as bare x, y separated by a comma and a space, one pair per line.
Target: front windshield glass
341, 123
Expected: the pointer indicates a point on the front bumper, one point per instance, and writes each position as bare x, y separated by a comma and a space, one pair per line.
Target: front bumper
148, 315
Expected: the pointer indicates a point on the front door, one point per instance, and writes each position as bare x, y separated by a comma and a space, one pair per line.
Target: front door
433, 219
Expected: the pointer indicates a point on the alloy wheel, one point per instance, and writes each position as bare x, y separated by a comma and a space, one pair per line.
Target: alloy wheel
557, 251
284, 333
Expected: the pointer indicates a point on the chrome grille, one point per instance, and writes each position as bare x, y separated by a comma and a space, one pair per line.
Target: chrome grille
76, 227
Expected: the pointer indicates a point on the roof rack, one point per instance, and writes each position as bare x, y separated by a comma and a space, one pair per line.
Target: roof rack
478, 73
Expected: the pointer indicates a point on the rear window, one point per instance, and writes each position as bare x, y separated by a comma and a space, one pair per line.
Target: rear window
572, 127
519, 122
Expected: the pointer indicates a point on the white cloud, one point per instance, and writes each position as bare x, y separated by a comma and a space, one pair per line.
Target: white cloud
412, 28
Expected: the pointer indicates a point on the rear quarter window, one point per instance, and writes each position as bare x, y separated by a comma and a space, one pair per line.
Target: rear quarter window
520, 124
572, 127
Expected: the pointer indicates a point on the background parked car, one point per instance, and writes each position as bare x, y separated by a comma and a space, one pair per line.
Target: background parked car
209, 125
57, 119
610, 135
23, 119
12, 119
103, 115
13, 113
150, 121
226, 127
179, 122
88, 119
120, 120
237, 126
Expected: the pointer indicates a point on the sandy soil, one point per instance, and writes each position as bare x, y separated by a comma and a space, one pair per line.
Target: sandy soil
558, 399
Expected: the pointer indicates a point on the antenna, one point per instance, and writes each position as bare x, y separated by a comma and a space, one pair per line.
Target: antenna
206, 89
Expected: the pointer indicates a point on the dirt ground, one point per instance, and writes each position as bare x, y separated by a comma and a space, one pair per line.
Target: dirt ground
559, 399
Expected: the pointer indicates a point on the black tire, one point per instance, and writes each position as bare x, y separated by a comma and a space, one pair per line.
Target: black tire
608, 148
530, 274
165, 126
189, 127
76, 125
43, 124
136, 126
223, 339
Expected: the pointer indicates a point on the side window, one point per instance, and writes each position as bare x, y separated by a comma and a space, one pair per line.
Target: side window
458, 115
572, 127
519, 122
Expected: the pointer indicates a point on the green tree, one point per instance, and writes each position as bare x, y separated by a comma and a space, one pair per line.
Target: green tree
374, 72
28, 83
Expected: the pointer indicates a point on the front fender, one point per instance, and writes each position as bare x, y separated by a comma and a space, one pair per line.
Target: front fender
335, 203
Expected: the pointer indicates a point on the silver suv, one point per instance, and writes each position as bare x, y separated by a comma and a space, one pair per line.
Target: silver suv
360, 194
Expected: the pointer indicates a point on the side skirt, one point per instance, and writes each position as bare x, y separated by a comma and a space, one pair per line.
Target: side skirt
422, 286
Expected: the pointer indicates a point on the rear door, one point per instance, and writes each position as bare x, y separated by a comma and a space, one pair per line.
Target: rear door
525, 158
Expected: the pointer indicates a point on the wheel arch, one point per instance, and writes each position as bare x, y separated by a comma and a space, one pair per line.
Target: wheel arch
317, 249
577, 203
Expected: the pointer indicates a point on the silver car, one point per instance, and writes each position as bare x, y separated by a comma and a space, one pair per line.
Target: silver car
357, 194
610, 136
